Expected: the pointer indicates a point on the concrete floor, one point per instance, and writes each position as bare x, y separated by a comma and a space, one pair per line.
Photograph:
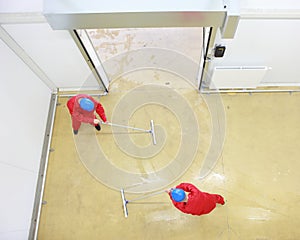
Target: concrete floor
244, 147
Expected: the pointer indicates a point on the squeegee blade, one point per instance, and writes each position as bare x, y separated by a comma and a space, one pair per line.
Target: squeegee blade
152, 132
124, 203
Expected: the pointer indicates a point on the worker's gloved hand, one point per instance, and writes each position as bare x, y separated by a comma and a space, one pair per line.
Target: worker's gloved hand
96, 121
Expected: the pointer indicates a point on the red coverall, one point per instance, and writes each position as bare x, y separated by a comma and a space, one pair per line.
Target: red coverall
79, 115
198, 202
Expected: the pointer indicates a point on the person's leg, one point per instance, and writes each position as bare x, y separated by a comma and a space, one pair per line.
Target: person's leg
97, 126
75, 125
219, 199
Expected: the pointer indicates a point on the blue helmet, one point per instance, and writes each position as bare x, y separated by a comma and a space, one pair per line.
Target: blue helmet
178, 194
87, 104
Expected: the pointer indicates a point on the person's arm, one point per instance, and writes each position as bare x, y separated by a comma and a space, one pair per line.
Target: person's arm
100, 111
70, 105
188, 187
179, 205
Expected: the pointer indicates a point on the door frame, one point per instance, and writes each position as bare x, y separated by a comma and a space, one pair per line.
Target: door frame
90, 55
217, 15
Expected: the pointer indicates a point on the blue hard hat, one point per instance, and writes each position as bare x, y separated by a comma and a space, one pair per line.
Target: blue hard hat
87, 104
178, 195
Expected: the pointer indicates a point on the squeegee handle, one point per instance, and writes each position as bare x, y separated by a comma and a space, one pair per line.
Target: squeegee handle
147, 196
124, 126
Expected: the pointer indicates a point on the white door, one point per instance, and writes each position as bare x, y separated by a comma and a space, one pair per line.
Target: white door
93, 59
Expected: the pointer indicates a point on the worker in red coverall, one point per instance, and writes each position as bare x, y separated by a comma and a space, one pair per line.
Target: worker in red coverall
81, 108
196, 202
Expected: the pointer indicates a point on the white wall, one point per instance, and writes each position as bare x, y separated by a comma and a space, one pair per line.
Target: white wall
269, 4
24, 103
266, 42
41, 61
15, 6
54, 51
267, 35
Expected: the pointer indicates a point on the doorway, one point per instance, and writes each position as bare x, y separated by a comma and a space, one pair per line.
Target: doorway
113, 52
